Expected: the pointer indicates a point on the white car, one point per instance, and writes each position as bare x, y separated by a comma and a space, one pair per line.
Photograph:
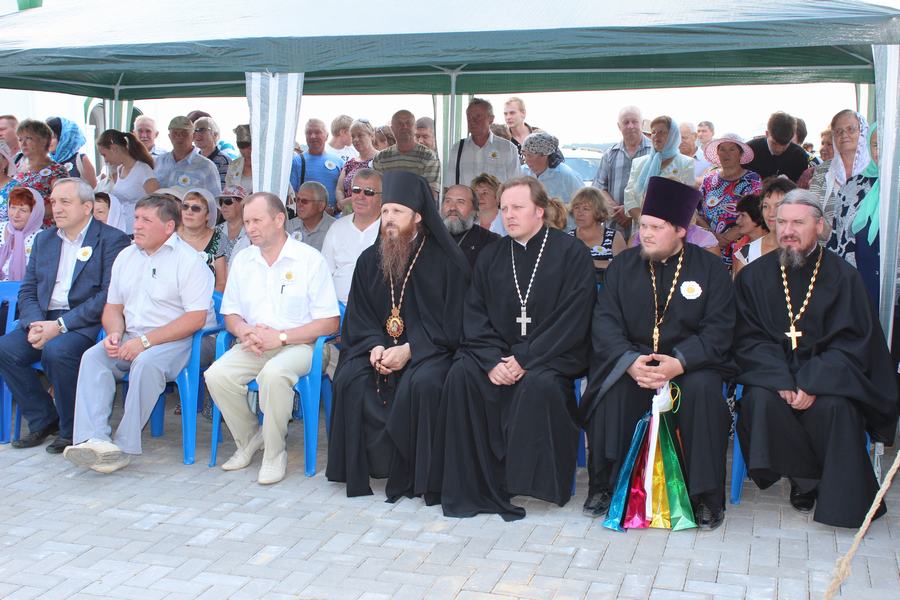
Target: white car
584, 162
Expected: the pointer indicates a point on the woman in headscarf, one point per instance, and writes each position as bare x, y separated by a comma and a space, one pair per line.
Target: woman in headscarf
855, 225
108, 209
198, 229
36, 169
849, 131
664, 160
7, 168
544, 161
26, 214
65, 145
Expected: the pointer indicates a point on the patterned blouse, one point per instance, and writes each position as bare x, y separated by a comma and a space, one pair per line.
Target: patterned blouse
720, 198
42, 182
350, 168
848, 199
214, 249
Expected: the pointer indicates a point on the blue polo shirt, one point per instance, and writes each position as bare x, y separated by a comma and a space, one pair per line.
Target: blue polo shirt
323, 168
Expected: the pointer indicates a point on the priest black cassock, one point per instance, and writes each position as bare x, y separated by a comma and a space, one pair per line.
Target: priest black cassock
509, 401
816, 371
402, 325
683, 294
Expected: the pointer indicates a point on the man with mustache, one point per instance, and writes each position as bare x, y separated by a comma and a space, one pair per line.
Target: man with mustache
816, 371
402, 326
460, 213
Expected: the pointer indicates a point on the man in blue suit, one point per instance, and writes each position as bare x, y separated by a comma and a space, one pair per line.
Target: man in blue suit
60, 304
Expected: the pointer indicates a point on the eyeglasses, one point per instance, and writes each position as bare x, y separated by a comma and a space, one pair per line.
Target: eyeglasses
367, 191
195, 208
201, 130
228, 201
848, 130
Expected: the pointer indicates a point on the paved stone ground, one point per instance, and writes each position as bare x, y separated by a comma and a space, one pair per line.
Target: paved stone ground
160, 529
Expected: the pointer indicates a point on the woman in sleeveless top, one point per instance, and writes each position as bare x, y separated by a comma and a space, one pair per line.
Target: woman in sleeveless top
591, 214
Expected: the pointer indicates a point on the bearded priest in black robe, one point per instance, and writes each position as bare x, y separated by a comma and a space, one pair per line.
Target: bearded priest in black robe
508, 401
665, 313
816, 371
402, 326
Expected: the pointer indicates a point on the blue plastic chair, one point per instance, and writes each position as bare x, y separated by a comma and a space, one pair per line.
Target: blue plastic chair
309, 388
9, 293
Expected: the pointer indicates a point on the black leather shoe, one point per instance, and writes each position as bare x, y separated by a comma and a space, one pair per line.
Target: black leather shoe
709, 519
36, 438
803, 502
597, 504
58, 445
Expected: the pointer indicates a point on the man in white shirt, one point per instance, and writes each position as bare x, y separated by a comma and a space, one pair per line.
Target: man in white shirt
184, 167
278, 300
481, 152
353, 233
160, 293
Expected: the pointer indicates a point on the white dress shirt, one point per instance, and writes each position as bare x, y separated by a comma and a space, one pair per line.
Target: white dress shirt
343, 244
68, 254
498, 156
294, 291
158, 288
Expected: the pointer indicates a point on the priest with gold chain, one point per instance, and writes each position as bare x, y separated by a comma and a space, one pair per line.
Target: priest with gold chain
401, 328
816, 371
508, 402
666, 314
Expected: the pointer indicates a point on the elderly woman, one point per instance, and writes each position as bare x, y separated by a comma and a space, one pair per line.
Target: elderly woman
362, 136
37, 170
198, 229
664, 160
591, 213
383, 138
65, 146
486, 188
544, 161
851, 156
133, 166
206, 138
240, 171
7, 169
231, 229
26, 213
751, 225
722, 189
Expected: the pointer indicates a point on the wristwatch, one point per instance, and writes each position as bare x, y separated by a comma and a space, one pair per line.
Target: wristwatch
145, 342
62, 325
283, 337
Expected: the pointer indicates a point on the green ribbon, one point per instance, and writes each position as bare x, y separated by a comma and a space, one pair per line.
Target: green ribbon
869, 209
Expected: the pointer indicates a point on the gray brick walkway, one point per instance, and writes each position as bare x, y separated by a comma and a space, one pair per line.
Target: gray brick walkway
163, 530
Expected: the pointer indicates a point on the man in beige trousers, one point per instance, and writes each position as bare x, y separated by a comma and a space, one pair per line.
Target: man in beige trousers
278, 300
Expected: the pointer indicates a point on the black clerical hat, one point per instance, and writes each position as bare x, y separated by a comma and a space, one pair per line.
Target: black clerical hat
412, 191
671, 201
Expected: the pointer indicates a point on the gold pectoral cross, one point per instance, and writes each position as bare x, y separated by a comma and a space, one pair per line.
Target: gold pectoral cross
793, 334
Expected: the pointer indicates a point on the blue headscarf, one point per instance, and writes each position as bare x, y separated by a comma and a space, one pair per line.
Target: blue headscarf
69, 136
654, 164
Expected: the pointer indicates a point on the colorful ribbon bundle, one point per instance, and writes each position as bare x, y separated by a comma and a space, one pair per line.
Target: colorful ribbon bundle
650, 490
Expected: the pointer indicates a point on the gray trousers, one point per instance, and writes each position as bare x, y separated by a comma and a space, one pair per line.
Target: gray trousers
147, 377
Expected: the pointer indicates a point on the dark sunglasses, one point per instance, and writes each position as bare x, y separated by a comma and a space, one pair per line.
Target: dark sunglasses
243, 145
367, 191
228, 201
192, 207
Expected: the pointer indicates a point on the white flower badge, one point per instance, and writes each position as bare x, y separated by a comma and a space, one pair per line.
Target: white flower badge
184, 181
494, 155
68, 167
85, 253
45, 172
330, 165
691, 290
288, 278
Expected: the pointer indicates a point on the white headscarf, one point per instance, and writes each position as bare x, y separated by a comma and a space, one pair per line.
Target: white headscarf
837, 175
213, 216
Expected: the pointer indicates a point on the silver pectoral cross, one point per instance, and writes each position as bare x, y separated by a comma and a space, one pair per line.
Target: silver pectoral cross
524, 320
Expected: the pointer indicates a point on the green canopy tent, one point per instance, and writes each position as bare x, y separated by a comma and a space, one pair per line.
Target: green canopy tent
275, 50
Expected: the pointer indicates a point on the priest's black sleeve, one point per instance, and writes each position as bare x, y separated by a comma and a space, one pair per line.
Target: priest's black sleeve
712, 341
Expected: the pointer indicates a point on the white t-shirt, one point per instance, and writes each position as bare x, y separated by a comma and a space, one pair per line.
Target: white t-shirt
343, 244
294, 291
131, 189
346, 153
158, 288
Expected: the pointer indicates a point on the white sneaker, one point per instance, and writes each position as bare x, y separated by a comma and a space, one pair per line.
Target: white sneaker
272, 471
112, 466
244, 456
93, 453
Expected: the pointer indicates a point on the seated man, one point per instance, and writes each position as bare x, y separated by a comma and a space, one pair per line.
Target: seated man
278, 300
160, 293
312, 222
60, 303
816, 371
509, 401
666, 313
403, 324
459, 210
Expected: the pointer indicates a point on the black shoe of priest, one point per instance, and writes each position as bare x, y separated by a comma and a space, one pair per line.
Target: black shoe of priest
707, 518
597, 504
803, 502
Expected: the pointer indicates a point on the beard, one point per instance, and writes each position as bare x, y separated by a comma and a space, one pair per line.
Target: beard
456, 225
791, 258
396, 251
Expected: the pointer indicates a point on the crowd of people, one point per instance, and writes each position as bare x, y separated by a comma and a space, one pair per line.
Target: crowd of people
480, 288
